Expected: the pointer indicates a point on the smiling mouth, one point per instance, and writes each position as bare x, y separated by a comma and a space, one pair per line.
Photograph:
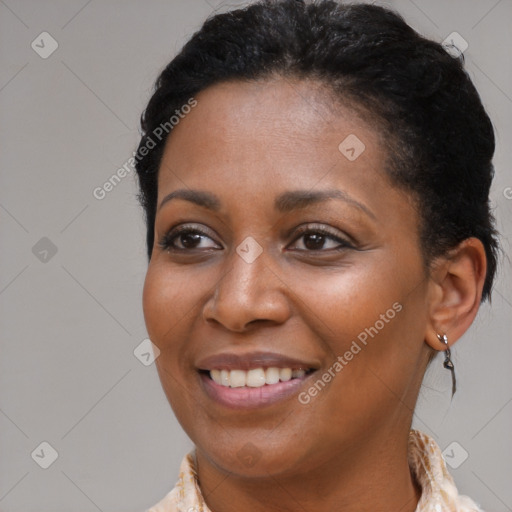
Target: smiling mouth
250, 380
256, 377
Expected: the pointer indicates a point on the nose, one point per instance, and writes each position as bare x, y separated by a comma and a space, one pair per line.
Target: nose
248, 294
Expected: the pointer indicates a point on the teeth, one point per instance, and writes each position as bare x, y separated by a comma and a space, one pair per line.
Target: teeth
272, 375
224, 378
255, 378
215, 375
237, 378
285, 374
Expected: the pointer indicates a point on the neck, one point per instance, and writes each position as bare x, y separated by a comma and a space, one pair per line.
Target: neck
374, 476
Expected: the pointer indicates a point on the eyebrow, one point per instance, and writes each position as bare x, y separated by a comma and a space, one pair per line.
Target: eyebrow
284, 203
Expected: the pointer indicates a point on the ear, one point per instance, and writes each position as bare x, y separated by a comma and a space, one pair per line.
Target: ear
456, 283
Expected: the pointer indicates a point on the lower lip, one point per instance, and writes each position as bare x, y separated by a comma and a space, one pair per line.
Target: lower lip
250, 398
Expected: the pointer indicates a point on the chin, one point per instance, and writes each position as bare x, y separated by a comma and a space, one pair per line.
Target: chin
251, 461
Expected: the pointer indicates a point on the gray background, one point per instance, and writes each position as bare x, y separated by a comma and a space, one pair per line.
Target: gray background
72, 320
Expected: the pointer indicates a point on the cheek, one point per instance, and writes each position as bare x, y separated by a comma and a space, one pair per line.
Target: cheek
168, 298
346, 301
372, 316
168, 309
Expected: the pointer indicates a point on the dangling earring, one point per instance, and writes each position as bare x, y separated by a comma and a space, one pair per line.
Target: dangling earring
448, 363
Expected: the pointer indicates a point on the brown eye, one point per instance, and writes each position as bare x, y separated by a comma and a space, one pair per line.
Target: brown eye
189, 240
314, 241
317, 238
186, 238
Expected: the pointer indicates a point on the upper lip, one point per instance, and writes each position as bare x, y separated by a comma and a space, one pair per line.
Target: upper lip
251, 360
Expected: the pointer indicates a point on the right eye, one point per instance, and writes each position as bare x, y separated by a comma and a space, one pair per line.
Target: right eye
184, 238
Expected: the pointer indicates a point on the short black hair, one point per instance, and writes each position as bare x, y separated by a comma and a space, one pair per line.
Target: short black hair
439, 137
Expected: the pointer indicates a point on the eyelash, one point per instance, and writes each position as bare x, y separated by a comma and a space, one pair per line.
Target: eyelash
167, 241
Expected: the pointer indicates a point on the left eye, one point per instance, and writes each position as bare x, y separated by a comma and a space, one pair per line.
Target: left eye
314, 240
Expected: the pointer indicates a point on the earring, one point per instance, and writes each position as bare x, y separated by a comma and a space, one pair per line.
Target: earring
448, 363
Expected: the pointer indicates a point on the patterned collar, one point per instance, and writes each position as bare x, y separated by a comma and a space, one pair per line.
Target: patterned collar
439, 493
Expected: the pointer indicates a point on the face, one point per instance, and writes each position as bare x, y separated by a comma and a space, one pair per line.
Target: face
286, 289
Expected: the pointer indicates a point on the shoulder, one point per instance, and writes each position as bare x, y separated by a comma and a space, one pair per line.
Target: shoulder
439, 492
186, 495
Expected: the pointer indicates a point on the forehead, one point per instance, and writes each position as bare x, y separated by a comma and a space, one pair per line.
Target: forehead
279, 129
249, 143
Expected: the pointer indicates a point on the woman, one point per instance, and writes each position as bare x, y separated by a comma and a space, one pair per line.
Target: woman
318, 228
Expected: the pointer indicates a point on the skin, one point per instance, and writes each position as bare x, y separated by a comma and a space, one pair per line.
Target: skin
247, 143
